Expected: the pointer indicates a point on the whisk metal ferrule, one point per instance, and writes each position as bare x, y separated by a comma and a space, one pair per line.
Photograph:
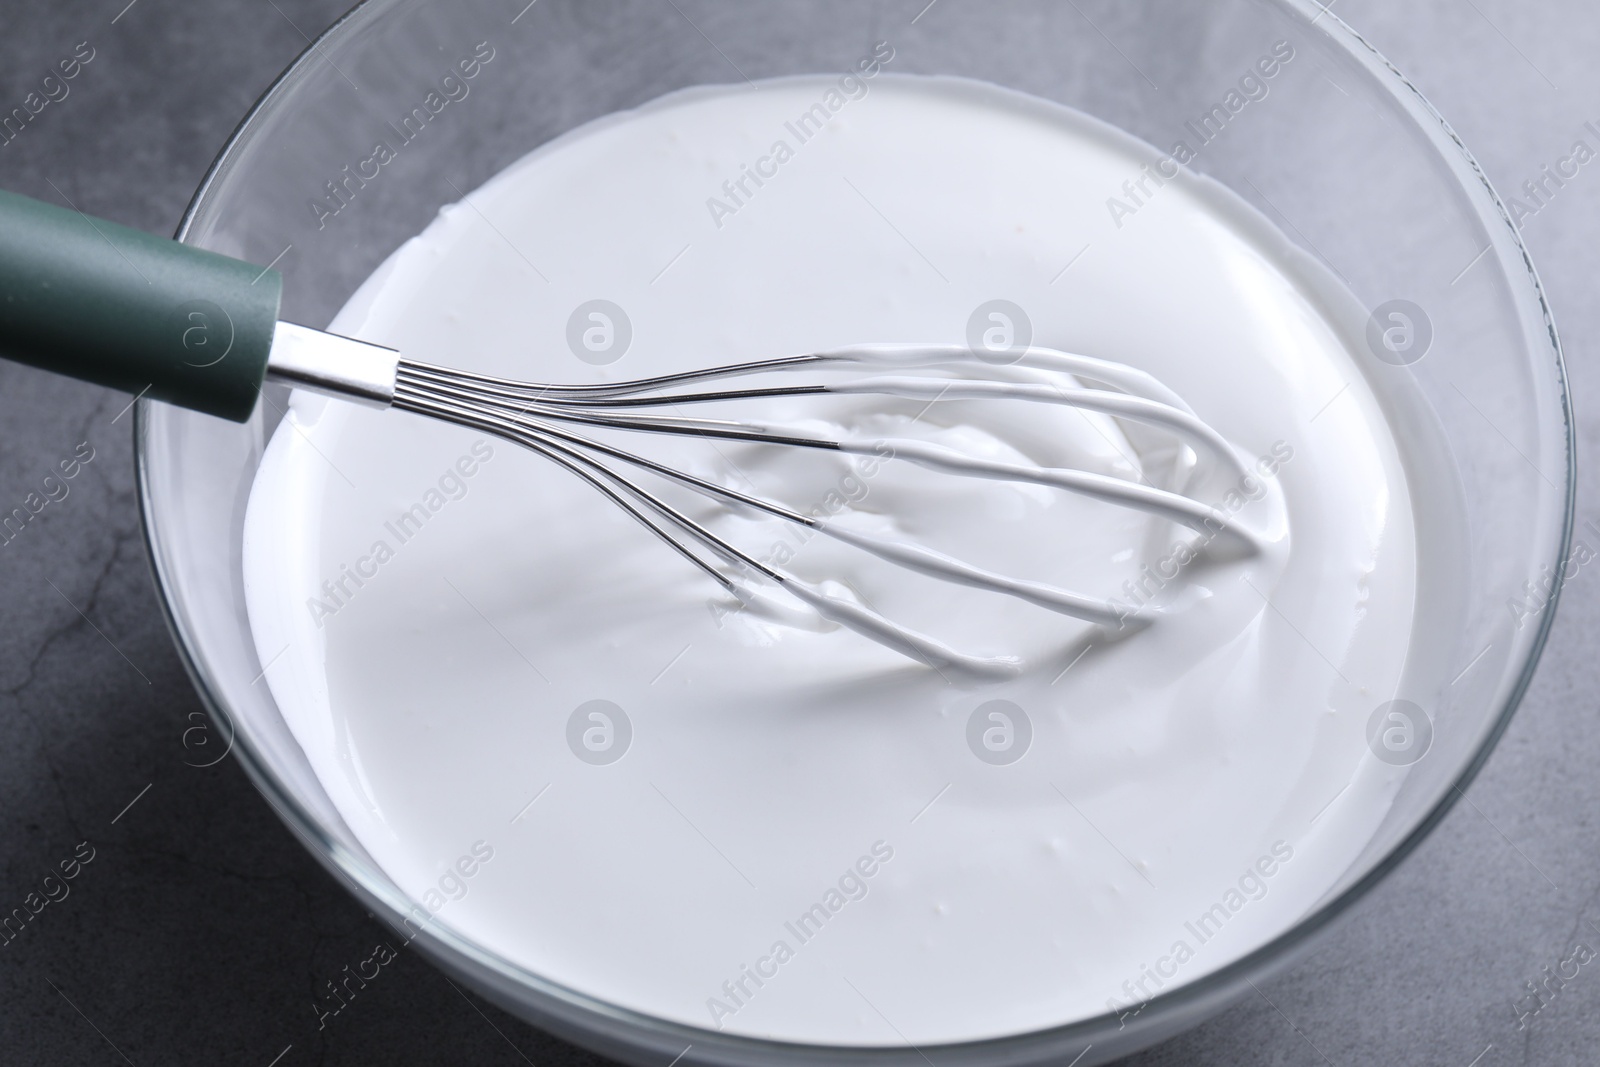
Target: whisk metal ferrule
333, 366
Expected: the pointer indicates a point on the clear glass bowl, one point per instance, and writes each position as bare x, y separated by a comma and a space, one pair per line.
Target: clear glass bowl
1343, 154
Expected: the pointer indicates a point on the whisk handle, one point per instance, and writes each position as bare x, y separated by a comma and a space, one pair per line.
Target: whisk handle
107, 304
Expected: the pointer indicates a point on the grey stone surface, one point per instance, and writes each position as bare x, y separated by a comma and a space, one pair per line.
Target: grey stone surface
198, 930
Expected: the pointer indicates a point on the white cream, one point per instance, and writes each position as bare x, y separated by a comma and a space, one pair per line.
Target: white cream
767, 756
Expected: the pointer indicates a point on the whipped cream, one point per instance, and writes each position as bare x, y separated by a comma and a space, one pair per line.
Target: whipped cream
756, 821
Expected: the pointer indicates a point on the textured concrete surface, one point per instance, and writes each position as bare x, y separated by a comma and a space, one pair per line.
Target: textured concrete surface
199, 927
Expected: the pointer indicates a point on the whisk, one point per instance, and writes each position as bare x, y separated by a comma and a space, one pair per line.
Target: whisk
115, 306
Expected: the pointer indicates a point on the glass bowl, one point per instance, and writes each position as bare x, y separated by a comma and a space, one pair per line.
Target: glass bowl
1340, 152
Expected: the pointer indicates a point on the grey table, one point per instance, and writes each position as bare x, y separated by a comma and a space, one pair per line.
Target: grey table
199, 929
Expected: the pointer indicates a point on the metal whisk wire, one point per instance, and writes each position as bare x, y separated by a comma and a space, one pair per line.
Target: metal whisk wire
540, 416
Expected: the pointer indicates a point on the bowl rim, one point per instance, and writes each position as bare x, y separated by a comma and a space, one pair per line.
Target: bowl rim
643, 1032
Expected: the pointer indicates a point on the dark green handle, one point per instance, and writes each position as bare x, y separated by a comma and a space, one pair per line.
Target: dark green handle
118, 307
